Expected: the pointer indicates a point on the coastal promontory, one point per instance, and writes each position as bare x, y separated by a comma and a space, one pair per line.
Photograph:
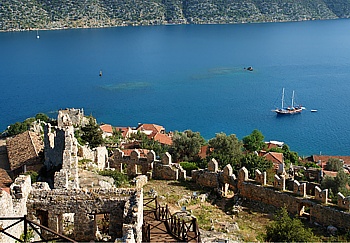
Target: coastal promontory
17, 15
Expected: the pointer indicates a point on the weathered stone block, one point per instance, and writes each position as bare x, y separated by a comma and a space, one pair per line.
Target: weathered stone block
227, 173
343, 202
321, 195
299, 189
280, 183
260, 177
213, 165
166, 159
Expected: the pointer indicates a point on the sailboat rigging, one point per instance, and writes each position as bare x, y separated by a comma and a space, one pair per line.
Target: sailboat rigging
290, 109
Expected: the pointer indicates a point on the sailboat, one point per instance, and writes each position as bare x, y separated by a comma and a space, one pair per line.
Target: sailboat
290, 109
37, 34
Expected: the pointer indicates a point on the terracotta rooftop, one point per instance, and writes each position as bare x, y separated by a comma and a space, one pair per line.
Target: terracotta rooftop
143, 152
23, 148
5, 179
125, 131
151, 127
324, 158
106, 128
162, 138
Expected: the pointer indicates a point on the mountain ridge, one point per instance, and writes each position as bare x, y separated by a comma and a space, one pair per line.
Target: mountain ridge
18, 15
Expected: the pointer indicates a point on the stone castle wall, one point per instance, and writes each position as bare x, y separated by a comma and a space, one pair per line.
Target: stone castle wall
124, 206
14, 205
296, 200
135, 165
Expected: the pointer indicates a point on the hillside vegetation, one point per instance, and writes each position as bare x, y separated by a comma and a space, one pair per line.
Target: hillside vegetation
51, 14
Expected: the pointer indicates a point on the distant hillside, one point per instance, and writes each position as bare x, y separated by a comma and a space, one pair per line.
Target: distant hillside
50, 14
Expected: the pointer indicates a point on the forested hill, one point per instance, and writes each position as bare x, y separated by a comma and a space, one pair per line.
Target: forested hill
50, 14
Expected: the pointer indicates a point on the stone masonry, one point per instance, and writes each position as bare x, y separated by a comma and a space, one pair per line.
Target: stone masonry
320, 210
14, 205
124, 207
135, 165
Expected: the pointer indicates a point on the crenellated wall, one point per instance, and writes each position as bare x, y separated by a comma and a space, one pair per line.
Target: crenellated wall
297, 201
135, 165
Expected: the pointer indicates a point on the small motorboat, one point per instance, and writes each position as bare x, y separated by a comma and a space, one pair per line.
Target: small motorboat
313, 110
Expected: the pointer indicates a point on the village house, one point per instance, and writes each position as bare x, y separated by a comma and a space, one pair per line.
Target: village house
126, 132
156, 132
107, 130
25, 152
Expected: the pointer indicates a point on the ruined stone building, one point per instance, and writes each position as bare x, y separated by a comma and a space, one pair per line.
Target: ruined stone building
25, 152
67, 207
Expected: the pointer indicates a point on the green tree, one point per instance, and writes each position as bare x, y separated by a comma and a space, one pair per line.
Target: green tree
334, 164
254, 141
16, 128
42, 117
336, 184
253, 162
92, 133
188, 167
33, 175
225, 149
186, 146
287, 229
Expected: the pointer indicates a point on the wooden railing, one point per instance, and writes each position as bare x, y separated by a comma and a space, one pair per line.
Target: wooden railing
183, 230
35, 226
146, 232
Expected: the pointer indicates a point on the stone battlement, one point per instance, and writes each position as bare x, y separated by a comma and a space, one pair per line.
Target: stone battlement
320, 210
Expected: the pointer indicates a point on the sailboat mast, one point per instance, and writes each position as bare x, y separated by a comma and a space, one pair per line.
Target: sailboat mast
282, 98
293, 99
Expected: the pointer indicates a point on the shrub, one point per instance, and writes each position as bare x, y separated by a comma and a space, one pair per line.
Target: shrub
33, 175
189, 166
119, 178
287, 229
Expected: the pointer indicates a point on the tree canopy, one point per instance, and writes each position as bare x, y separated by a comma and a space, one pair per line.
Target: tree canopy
252, 162
287, 229
334, 164
254, 141
92, 134
225, 149
186, 146
336, 184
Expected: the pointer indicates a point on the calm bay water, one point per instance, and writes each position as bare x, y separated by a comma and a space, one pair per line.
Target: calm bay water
188, 77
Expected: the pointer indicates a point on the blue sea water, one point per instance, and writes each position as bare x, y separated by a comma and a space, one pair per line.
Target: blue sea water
188, 77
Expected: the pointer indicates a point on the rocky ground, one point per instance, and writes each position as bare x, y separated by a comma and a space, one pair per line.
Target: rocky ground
228, 219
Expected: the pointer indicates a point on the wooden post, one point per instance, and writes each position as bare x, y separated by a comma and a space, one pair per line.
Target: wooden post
183, 231
25, 226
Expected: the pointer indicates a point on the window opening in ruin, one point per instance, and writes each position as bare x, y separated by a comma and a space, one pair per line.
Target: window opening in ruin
68, 224
102, 223
43, 217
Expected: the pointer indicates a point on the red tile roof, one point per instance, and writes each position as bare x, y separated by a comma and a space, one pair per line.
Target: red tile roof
106, 128
274, 157
5, 179
143, 152
126, 131
151, 127
203, 152
162, 138
324, 158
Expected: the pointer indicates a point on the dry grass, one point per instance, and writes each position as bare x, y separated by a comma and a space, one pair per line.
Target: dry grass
214, 215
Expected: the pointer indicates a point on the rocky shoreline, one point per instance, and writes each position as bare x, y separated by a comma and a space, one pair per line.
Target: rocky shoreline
32, 15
